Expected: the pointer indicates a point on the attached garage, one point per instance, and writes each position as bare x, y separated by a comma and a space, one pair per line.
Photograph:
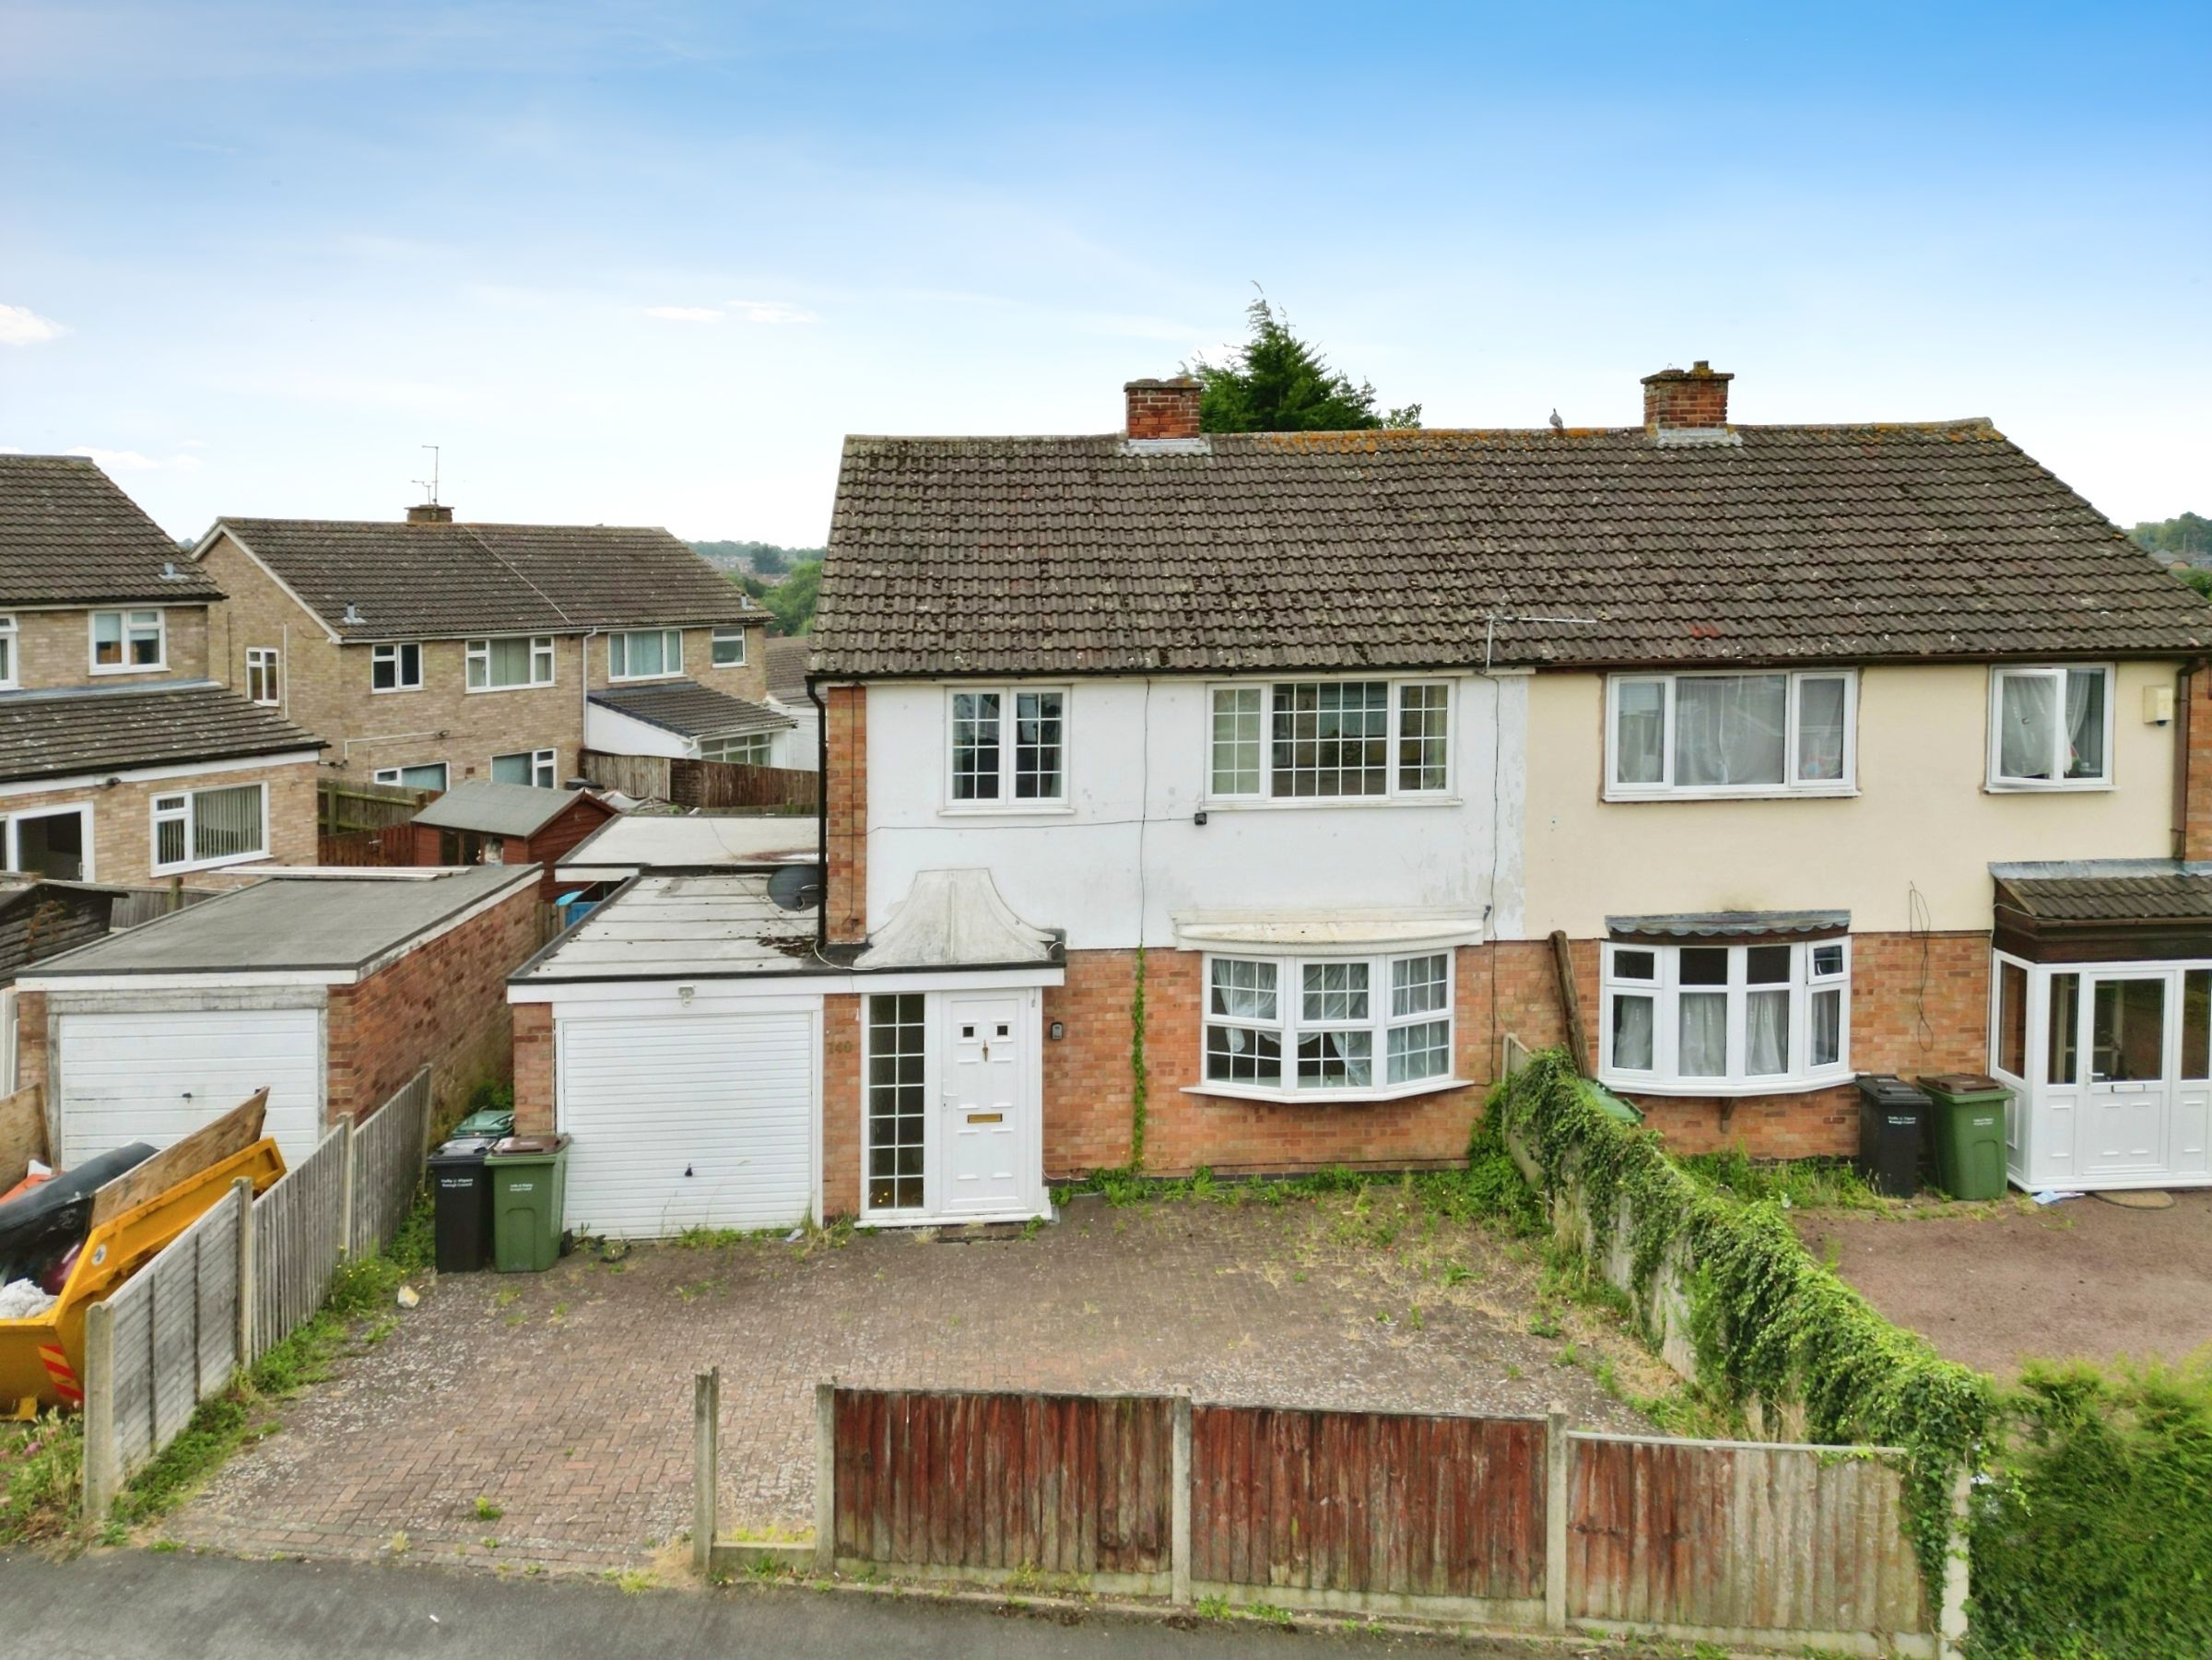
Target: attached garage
331, 992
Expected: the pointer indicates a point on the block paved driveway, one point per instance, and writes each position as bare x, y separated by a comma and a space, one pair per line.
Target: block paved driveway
565, 1398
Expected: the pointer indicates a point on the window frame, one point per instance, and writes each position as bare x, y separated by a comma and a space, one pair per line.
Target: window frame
125, 628
188, 815
672, 653
722, 636
1392, 792
478, 650
547, 761
11, 653
1008, 694
1792, 784
766, 741
265, 663
1290, 1024
1998, 782
1665, 988
393, 775
395, 652
11, 836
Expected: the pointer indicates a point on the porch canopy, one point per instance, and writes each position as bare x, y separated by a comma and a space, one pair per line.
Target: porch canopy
2104, 910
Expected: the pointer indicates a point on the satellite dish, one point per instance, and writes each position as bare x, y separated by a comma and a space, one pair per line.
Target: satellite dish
796, 887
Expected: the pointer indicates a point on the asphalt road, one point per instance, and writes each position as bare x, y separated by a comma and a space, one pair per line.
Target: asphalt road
127, 1605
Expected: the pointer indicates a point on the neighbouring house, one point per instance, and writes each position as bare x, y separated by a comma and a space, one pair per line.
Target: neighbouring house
123, 760
787, 658
686, 721
331, 992
431, 652
485, 823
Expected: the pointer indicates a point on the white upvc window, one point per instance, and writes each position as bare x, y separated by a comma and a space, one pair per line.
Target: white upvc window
1292, 740
1763, 1016
645, 655
8, 653
1007, 747
395, 667
53, 842
729, 647
220, 825
750, 750
261, 674
509, 662
128, 642
1352, 1027
423, 776
1757, 733
535, 767
2051, 728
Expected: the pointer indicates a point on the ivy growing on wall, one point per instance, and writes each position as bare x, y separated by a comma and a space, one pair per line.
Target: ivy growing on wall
1138, 1075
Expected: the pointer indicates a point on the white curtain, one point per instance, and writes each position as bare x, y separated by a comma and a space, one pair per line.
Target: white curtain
1820, 728
1703, 1050
1729, 728
2028, 732
2085, 723
1632, 1032
1766, 1033
1640, 732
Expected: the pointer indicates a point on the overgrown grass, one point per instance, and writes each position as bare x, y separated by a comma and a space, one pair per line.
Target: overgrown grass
1793, 1183
41, 1475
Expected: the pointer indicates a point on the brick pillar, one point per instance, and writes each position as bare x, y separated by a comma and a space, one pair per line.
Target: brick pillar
2194, 751
30, 1039
841, 1106
1687, 397
845, 811
1163, 408
533, 1068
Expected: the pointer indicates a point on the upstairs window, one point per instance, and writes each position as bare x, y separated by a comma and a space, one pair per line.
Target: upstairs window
729, 648
1726, 1020
7, 659
195, 828
503, 665
1300, 1027
126, 641
1330, 740
395, 667
1768, 733
2051, 728
261, 674
645, 655
1009, 746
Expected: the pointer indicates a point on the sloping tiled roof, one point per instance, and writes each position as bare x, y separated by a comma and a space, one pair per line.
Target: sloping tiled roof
1351, 549
67, 533
2156, 891
690, 710
497, 810
784, 659
432, 580
50, 735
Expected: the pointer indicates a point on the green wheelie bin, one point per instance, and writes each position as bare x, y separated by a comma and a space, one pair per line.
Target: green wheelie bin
529, 1179
1968, 1121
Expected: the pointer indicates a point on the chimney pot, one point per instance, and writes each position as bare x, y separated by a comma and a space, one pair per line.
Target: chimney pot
429, 513
1163, 408
1695, 397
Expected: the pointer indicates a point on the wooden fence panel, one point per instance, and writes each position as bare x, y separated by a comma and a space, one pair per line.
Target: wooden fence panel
716, 785
299, 1233
1736, 1536
1062, 1484
388, 1151
643, 776
1398, 1503
346, 805
388, 846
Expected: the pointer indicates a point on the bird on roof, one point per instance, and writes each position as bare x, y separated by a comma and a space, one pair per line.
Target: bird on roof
1557, 424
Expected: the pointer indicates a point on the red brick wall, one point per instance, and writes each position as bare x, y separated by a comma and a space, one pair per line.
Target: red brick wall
1163, 408
840, 1105
1088, 1086
845, 810
532, 1026
444, 1004
2194, 751
30, 1039
1686, 397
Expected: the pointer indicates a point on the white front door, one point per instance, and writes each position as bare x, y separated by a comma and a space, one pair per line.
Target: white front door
984, 1134
2129, 1096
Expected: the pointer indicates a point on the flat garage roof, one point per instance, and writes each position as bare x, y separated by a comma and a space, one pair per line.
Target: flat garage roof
641, 840
684, 926
311, 922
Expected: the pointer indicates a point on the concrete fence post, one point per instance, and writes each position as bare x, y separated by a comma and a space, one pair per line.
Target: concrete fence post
1958, 1570
348, 1169
1179, 1499
706, 1465
1558, 1451
242, 1192
101, 1460
825, 1476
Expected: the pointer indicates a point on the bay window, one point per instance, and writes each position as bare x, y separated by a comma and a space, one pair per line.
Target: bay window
124, 641
516, 660
1009, 747
1330, 739
2049, 728
1770, 732
1296, 1026
194, 827
1725, 1019
644, 654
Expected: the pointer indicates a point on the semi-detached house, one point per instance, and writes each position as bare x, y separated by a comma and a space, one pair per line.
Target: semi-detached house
1317, 765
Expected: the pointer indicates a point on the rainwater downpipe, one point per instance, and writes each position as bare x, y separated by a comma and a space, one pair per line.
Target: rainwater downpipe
584, 704
821, 814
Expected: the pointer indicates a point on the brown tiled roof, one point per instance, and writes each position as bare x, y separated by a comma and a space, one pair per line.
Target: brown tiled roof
690, 710
1351, 549
68, 534
784, 661
50, 735
439, 580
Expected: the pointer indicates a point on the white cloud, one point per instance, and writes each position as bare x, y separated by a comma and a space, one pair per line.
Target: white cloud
771, 310
684, 313
19, 325
130, 461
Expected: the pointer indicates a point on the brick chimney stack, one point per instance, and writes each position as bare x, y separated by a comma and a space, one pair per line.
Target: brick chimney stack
1687, 397
429, 513
1163, 408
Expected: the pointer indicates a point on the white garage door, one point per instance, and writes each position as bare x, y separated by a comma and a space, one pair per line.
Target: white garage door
158, 1077
701, 1121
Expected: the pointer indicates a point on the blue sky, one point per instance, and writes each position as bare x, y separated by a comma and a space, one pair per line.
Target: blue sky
648, 264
